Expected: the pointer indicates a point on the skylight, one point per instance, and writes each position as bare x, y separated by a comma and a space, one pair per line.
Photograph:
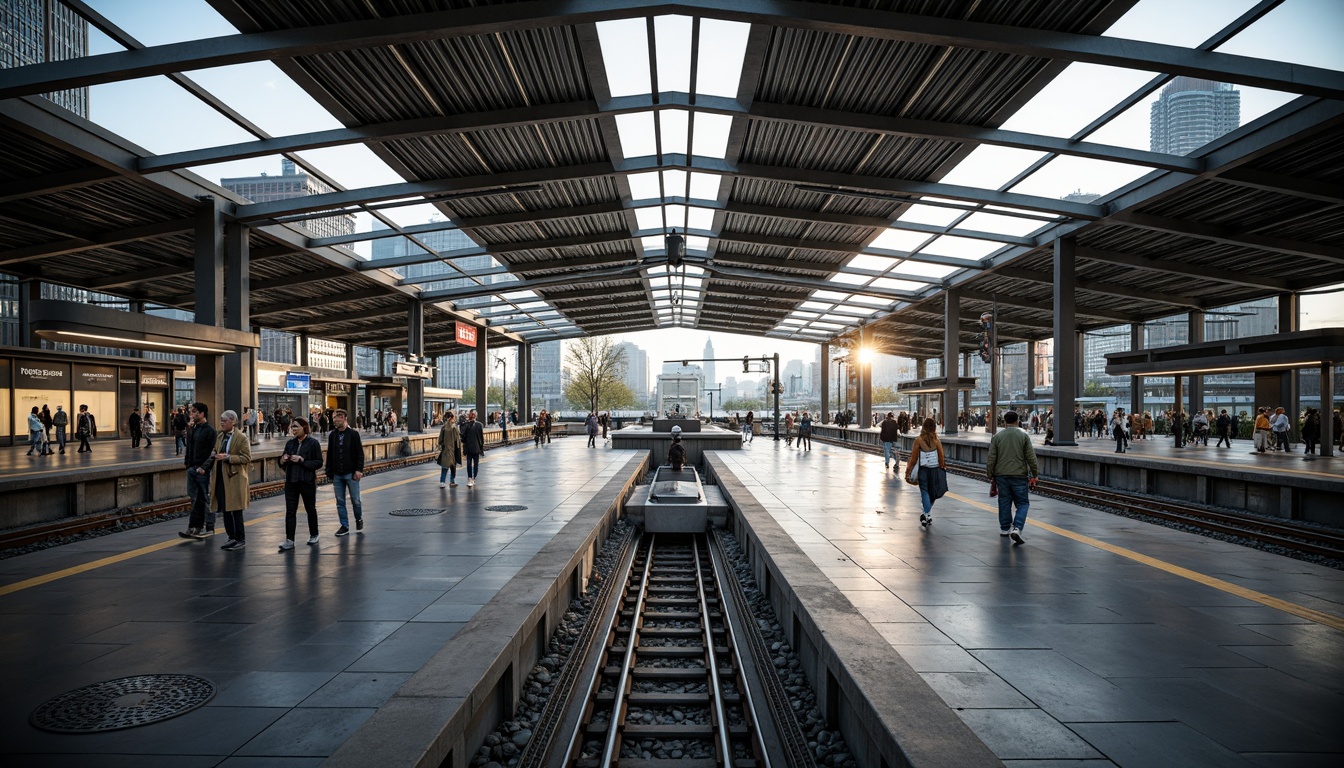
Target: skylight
899, 240
928, 214
672, 39
961, 247
644, 186
704, 186
674, 129
723, 48
637, 134
711, 135
624, 41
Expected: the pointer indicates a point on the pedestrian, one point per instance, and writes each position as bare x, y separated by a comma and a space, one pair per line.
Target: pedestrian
61, 420
805, 431
151, 424
300, 461
539, 428
135, 425
1224, 427
1012, 468
229, 491
788, 428
929, 462
47, 423
473, 445
888, 433
35, 440
604, 420
180, 423
1176, 428
1311, 430
1279, 424
200, 460
250, 424
1118, 430
503, 428
748, 433
1200, 424
345, 467
450, 450
590, 425
547, 422
1262, 430
86, 427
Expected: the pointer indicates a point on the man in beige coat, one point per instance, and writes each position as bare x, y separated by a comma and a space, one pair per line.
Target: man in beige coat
229, 494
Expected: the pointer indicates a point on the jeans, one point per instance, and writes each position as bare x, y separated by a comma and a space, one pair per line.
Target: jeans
294, 492
804, 435
448, 474
473, 465
60, 438
198, 490
233, 524
887, 450
746, 432
179, 442
135, 438
1281, 440
1012, 490
924, 497
341, 483
34, 441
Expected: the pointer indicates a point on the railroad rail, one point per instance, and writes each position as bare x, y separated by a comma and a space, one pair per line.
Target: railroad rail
669, 685
1297, 538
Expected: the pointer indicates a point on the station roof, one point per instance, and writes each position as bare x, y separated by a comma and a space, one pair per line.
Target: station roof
537, 133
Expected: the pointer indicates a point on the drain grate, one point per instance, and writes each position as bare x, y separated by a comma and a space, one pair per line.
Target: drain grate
123, 703
506, 508
416, 512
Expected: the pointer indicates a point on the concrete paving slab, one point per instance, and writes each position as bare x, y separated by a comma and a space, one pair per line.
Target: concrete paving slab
1136, 745
1025, 733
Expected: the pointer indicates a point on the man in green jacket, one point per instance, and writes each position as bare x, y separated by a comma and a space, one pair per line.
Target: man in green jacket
1012, 465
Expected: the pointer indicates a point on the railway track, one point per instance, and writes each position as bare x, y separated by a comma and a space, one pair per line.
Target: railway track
1293, 537
667, 681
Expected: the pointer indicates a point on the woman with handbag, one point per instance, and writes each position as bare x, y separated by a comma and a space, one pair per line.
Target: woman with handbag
450, 450
927, 468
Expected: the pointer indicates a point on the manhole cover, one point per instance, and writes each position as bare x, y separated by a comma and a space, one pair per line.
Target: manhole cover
506, 508
123, 703
416, 512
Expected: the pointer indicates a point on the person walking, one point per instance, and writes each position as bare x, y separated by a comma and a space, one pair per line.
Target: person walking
1311, 430
35, 441
748, 432
345, 467
1224, 427
1117, 427
889, 432
60, 420
590, 425
473, 445
805, 431
86, 427
1012, 467
300, 461
927, 458
45, 415
1260, 438
179, 425
199, 461
151, 424
1177, 429
450, 450
1279, 424
135, 425
229, 491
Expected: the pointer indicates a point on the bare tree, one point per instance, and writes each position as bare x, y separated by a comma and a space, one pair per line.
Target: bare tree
596, 368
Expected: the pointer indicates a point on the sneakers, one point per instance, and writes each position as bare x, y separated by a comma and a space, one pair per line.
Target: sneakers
1003, 533
925, 519
443, 485
1015, 535
312, 540
192, 533
286, 545
208, 532
452, 485
471, 482
359, 523
342, 531
233, 545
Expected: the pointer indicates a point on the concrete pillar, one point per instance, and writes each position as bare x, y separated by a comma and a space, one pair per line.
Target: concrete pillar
524, 390
1031, 371
1196, 335
1290, 320
350, 363
209, 296
1328, 435
301, 352
951, 348
240, 370
1178, 401
825, 416
995, 374
1135, 382
29, 291
138, 307
966, 393
864, 369
1066, 346
482, 375
415, 349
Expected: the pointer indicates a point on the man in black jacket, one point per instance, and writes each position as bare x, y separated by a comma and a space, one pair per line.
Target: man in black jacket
889, 434
85, 429
473, 445
134, 424
200, 460
345, 467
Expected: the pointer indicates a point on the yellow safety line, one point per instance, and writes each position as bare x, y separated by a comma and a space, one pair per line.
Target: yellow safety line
1310, 614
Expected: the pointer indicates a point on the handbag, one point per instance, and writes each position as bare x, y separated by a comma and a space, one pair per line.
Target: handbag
913, 479
928, 458
937, 483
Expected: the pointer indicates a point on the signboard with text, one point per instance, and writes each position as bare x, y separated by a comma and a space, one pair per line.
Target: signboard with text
153, 378
30, 374
298, 383
89, 378
466, 334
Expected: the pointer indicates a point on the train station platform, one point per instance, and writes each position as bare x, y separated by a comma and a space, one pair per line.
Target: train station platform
1099, 641
1291, 485
304, 646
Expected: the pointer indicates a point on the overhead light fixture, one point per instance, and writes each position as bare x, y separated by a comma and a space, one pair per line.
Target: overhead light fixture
121, 341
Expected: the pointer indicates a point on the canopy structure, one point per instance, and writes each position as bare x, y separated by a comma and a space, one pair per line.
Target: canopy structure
797, 146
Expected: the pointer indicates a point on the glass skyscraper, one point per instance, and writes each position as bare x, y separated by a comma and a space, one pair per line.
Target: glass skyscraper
37, 31
1190, 113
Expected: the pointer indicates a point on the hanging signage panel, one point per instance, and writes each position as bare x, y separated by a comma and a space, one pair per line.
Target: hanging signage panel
466, 334
298, 383
31, 374
153, 378
92, 378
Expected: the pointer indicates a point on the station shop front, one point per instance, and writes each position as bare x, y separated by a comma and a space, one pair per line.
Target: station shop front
110, 386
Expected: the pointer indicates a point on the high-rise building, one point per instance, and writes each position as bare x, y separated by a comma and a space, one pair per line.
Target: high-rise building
442, 242
636, 375
711, 380
548, 383
792, 378
1190, 113
290, 184
37, 31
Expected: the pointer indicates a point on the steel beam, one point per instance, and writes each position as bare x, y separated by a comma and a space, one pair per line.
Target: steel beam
52, 183
1268, 181
1228, 236
89, 242
1212, 274
331, 302
1065, 347
1110, 289
525, 285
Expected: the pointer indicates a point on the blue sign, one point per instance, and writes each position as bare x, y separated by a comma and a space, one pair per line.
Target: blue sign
298, 382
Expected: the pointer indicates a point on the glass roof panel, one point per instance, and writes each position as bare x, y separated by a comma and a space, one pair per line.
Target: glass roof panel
625, 41
723, 47
674, 182
824, 295
676, 216
820, 306
704, 186
649, 218
868, 261
700, 218
672, 42
674, 129
848, 279
637, 136
711, 135
1061, 176
961, 247
898, 285
1074, 98
652, 243
1186, 23
925, 269
697, 243
899, 240
928, 214
1000, 225
990, 167
644, 186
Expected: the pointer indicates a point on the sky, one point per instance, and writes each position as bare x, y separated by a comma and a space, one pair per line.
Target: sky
1299, 31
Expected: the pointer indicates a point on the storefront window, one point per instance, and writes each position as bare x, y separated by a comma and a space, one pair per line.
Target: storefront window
39, 383
96, 387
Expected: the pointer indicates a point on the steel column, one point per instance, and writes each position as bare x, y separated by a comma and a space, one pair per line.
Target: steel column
415, 349
29, 291
864, 368
995, 373
524, 390
1066, 349
1178, 406
1328, 436
951, 348
1290, 319
966, 393
1031, 370
824, 417
1195, 335
482, 374
209, 293
240, 370
1135, 382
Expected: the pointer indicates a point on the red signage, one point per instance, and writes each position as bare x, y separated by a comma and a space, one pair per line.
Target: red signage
466, 334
